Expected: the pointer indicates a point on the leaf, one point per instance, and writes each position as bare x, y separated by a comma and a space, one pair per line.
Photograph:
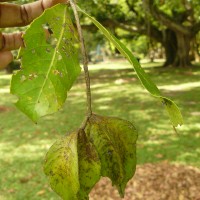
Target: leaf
61, 166
115, 142
89, 166
173, 111
73, 166
50, 64
75, 163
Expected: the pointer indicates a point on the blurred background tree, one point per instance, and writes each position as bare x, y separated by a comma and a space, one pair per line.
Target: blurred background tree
173, 24
155, 28
142, 26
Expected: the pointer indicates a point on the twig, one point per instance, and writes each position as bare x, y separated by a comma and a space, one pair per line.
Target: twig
85, 63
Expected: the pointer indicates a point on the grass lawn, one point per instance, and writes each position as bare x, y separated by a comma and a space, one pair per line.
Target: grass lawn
116, 92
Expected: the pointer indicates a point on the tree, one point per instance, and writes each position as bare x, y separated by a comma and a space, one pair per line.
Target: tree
181, 27
174, 24
101, 146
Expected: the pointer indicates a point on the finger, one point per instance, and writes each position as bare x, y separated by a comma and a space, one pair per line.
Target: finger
10, 41
5, 58
14, 41
24, 14
19, 15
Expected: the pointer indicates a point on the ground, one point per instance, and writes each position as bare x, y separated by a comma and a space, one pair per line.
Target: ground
116, 92
161, 181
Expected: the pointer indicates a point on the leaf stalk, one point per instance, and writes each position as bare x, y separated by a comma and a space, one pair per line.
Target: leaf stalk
85, 62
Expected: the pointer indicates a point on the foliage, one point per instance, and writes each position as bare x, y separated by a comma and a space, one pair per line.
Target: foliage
77, 161
139, 44
102, 146
50, 64
160, 21
115, 141
59, 49
170, 106
116, 92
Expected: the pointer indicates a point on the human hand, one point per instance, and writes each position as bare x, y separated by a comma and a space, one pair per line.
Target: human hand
12, 15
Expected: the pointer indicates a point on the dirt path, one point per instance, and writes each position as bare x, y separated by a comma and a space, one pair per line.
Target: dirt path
161, 181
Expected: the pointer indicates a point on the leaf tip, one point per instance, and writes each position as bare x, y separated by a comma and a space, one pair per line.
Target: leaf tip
121, 189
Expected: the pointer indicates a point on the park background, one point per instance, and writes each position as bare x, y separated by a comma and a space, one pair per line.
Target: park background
164, 36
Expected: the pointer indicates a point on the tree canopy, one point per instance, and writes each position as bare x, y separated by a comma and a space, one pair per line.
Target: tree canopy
174, 24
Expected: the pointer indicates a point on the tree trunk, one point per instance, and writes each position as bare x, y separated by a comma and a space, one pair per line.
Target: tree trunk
183, 50
177, 49
170, 46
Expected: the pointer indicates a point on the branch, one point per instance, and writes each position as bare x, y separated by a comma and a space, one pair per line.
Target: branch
153, 33
131, 7
196, 28
85, 63
166, 20
124, 26
110, 23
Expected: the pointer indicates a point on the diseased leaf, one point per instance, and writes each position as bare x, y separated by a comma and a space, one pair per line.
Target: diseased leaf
115, 142
173, 111
73, 166
172, 108
89, 166
75, 163
61, 166
50, 63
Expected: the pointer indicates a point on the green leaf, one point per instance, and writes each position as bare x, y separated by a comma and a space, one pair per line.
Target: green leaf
89, 166
73, 166
61, 166
50, 63
75, 163
173, 111
115, 142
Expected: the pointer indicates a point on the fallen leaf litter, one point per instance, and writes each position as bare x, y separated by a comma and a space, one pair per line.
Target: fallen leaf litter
161, 181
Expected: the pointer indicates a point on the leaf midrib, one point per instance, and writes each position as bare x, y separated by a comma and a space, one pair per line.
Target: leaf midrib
53, 58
